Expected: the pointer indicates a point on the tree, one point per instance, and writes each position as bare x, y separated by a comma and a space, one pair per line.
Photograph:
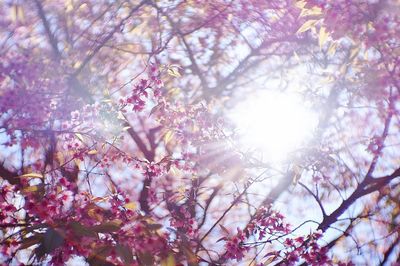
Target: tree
117, 149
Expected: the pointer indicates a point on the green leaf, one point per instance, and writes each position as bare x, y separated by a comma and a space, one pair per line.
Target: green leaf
52, 239
99, 256
30, 241
81, 230
108, 227
154, 226
125, 253
169, 261
146, 259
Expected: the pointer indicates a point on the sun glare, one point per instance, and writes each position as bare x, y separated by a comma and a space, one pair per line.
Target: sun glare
273, 124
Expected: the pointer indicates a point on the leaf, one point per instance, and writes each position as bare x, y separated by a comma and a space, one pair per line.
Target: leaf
69, 6
322, 36
174, 91
121, 116
33, 175
153, 227
222, 239
99, 256
131, 206
17, 13
34, 188
226, 231
296, 56
269, 260
168, 136
77, 64
126, 128
81, 230
91, 152
99, 199
332, 49
146, 259
314, 11
354, 52
94, 213
173, 71
190, 256
125, 253
156, 108
108, 227
297, 171
52, 239
113, 189
79, 136
13, 13
307, 25
30, 241
300, 4
60, 158
169, 261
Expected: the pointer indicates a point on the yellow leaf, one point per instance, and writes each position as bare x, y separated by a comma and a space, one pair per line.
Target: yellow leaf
69, 6
169, 261
296, 56
174, 171
121, 116
297, 171
60, 158
91, 152
93, 213
300, 4
14, 13
322, 37
31, 188
172, 71
113, 189
174, 91
332, 49
77, 162
343, 69
20, 14
310, 12
79, 136
99, 199
77, 64
366, 54
131, 206
354, 52
328, 79
370, 26
34, 175
307, 25
168, 136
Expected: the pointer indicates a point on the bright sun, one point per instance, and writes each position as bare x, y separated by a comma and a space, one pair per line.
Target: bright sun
274, 124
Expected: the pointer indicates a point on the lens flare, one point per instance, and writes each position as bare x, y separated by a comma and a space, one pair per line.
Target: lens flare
274, 124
